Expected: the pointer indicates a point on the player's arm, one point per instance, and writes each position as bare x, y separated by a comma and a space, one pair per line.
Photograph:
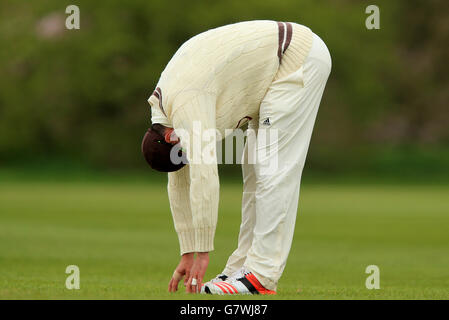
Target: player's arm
179, 196
197, 136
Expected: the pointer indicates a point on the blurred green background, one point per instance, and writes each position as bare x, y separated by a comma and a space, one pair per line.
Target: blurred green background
74, 187
79, 96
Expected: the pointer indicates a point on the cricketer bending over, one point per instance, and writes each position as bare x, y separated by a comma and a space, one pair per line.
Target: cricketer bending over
272, 73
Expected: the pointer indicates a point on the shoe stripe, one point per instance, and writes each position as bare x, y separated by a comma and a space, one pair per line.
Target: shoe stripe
207, 290
234, 288
231, 289
223, 285
248, 285
259, 287
222, 288
251, 278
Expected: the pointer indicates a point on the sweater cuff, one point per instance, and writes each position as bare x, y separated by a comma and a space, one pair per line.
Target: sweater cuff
186, 241
197, 240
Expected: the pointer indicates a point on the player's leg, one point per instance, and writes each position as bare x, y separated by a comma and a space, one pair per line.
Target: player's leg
238, 257
289, 108
291, 105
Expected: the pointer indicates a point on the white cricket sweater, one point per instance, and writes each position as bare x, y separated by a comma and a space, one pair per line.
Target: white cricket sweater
216, 79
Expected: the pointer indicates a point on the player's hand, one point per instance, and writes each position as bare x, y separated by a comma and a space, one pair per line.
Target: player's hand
183, 269
197, 272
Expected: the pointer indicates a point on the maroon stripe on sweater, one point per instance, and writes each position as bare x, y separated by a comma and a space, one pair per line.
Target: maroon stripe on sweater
158, 94
244, 118
281, 40
289, 35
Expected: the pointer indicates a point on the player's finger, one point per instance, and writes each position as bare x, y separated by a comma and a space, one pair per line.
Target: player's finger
200, 284
199, 279
189, 284
177, 276
172, 287
194, 283
187, 277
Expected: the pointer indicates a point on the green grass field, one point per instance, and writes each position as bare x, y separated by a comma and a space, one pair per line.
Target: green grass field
121, 236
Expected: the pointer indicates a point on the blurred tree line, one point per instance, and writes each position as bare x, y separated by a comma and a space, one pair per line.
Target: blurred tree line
81, 94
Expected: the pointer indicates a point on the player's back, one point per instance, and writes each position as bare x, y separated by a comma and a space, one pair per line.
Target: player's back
236, 63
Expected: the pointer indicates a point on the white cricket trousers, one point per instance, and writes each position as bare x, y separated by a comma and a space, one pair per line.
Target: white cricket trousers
270, 197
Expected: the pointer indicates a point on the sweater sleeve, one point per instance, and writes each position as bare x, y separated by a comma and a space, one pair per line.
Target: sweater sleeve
179, 196
194, 122
156, 114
